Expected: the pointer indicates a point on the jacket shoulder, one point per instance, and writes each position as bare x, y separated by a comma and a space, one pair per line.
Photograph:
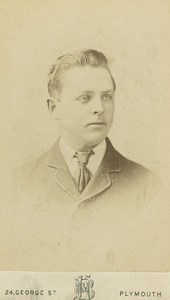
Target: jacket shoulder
131, 171
26, 173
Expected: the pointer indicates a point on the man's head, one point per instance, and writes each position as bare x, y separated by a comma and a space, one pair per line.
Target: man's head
82, 89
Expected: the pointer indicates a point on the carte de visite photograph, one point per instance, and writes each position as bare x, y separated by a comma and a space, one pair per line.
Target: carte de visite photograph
85, 121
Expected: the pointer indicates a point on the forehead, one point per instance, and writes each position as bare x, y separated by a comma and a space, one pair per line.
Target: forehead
87, 78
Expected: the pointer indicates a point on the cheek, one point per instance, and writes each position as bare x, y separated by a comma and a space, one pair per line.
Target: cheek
65, 110
72, 120
109, 111
65, 113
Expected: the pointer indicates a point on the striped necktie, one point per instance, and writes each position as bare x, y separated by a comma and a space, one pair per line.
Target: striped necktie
82, 174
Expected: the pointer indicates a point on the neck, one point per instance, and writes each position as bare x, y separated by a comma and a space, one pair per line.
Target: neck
79, 147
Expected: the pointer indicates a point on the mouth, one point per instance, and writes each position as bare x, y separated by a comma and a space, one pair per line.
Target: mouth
97, 124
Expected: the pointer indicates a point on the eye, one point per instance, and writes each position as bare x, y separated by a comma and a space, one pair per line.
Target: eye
107, 97
84, 98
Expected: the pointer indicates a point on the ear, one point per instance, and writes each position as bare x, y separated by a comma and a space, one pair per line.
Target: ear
52, 107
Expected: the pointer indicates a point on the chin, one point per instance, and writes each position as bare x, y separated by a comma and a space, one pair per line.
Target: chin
94, 141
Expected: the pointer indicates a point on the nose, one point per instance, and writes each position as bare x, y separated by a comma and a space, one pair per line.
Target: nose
97, 105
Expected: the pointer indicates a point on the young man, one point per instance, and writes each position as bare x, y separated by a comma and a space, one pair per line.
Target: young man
82, 92
83, 205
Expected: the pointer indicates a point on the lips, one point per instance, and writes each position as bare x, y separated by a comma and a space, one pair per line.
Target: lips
98, 123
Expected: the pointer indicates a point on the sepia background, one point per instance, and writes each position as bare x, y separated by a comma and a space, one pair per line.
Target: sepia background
134, 35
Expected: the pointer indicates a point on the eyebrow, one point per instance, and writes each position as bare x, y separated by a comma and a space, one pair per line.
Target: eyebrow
108, 91
105, 91
87, 91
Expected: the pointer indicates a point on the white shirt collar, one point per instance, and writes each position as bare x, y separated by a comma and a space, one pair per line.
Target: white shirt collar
94, 161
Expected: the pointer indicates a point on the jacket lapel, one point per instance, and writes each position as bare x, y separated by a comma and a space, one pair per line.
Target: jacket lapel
62, 175
101, 181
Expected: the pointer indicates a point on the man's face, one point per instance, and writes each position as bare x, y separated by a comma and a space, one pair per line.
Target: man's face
85, 106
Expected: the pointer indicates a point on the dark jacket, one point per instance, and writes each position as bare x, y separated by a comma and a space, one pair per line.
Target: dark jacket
49, 177
116, 224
